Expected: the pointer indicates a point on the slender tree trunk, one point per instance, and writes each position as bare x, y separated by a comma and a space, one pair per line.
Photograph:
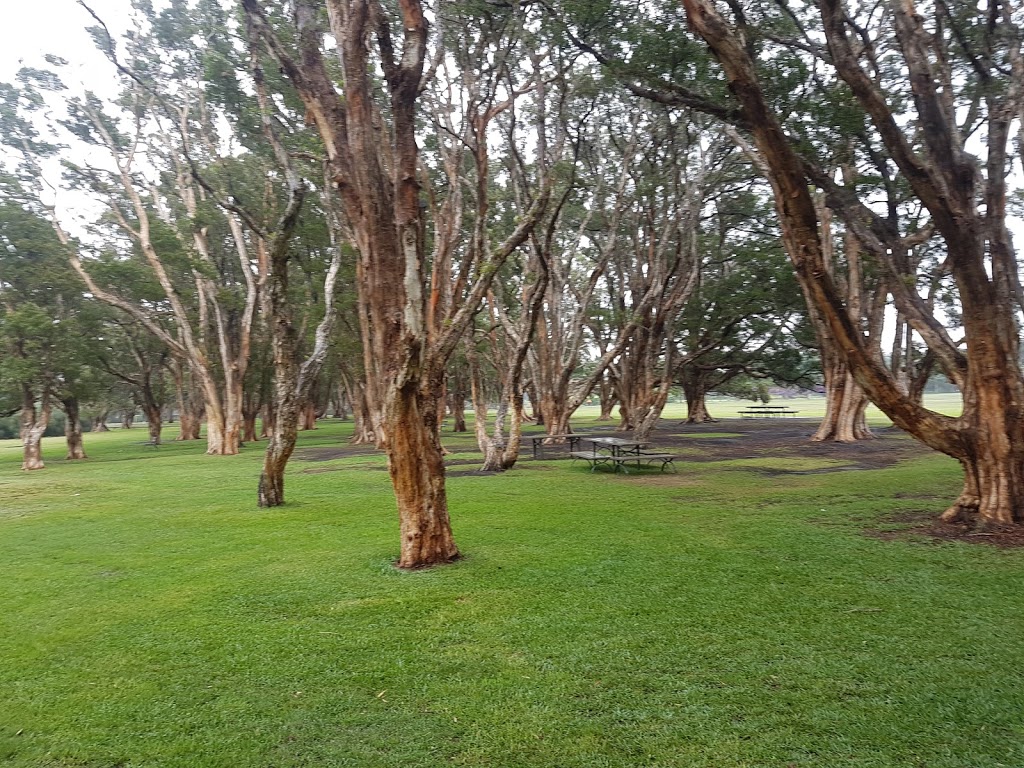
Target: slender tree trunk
285, 422
608, 397
33, 425
127, 419
153, 412
511, 455
363, 432
73, 429
287, 401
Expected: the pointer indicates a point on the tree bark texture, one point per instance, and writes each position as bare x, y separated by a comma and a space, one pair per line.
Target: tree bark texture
73, 429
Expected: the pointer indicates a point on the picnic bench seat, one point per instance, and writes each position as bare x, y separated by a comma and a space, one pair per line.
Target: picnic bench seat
619, 462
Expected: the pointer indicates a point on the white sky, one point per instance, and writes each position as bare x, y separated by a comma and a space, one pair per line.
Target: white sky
32, 28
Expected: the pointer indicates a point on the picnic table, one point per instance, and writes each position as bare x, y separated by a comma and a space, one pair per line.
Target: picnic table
539, 440
767, 412
618, 452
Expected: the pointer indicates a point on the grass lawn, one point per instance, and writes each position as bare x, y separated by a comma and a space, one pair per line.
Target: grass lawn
152, 615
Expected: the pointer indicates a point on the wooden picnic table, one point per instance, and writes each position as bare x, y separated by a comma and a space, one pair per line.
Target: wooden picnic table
620, 451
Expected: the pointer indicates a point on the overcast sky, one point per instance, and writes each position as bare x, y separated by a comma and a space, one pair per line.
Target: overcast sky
32, 28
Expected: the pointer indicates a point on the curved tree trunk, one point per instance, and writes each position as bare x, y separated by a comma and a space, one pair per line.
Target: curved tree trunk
73, 429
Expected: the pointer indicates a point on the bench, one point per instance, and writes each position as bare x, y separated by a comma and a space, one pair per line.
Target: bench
620, 461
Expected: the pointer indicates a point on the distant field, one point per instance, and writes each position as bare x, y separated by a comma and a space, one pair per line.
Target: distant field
812, 407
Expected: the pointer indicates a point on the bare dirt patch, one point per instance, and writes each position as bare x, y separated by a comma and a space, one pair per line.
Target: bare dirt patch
747, 439
920, 524
786, 438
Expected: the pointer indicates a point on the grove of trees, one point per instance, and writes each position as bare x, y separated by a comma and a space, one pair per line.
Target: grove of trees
385, 210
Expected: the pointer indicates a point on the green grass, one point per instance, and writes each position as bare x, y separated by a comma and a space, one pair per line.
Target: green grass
151, 615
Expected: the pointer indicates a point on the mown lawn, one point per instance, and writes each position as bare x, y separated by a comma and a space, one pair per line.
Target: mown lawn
151, 615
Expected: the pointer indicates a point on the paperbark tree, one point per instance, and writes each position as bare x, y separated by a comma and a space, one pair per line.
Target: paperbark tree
209, 330
377, 175
294, 379
964, 194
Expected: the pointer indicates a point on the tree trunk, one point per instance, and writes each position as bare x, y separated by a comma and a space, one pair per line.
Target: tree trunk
189, 424
696, 382
99, 421
993, 494
417, 473
73, 429
363, 432
127, 419
249, 434
284, 430
845, 405
155, 427
33, 425
608, 397
152, 410
307, 417
189, 417
511, 455
652, 414
457, 406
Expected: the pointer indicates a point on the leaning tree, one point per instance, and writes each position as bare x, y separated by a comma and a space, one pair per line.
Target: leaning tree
937, 91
